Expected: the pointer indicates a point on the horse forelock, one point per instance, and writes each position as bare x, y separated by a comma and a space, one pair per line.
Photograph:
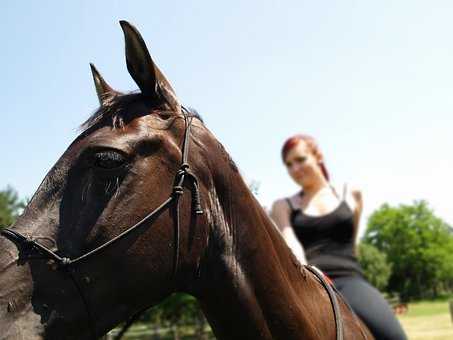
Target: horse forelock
112, 110
115, 111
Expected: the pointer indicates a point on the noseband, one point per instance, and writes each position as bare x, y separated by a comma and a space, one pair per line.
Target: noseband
68, 265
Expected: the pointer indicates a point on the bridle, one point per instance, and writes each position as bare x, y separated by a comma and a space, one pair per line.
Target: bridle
67, 265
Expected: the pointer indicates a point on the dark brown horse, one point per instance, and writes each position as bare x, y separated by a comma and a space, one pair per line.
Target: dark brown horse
63, 277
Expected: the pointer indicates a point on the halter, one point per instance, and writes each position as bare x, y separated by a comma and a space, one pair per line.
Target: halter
68, 265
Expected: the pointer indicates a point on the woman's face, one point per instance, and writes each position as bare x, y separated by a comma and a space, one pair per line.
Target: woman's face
302, 165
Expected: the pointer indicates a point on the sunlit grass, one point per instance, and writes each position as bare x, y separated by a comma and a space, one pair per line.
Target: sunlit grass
428, 320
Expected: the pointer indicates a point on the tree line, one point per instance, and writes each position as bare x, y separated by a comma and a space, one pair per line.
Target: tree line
408, 250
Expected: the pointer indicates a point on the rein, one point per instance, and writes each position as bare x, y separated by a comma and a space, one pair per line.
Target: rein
333, 299
67, 265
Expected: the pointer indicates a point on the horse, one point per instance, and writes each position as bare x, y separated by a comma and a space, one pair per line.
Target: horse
146, 202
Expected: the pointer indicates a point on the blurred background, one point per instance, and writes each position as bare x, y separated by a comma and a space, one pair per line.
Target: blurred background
371, 81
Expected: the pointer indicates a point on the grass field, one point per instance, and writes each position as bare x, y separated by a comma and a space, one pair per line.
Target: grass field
428, 321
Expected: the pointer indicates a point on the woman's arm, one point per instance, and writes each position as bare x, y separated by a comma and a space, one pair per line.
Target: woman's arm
358, 206
280, 214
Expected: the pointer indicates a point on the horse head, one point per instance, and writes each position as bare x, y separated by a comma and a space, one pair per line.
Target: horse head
128, 177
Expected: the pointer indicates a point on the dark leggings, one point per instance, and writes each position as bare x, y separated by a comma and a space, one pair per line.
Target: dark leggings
371, 307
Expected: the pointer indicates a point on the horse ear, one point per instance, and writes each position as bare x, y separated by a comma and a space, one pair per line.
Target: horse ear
138, 60
103, 89
141, 67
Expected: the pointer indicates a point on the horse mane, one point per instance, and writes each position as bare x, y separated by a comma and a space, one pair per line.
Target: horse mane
113, 111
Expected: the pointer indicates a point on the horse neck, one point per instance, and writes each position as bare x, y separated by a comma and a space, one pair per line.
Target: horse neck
254, 286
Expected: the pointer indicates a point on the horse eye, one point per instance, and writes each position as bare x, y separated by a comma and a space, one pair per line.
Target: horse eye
164, 115
108, 160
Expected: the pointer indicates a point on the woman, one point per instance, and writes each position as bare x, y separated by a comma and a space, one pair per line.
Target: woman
323, 221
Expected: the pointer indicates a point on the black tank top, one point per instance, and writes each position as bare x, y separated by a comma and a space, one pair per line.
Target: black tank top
328, 240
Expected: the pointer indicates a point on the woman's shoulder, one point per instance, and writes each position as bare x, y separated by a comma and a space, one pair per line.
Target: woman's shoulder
354, 192
280, 213
286, 203
351, 194
280, 204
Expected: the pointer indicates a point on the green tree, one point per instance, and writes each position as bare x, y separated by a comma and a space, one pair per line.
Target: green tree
10, 206
176, 312
375, 266
418, 245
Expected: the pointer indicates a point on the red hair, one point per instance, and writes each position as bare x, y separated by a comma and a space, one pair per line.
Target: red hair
291, 142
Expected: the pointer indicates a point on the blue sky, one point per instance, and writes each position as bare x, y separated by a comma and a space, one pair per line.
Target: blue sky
372, 81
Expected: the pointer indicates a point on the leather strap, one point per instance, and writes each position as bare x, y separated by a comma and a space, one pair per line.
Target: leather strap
333, 299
